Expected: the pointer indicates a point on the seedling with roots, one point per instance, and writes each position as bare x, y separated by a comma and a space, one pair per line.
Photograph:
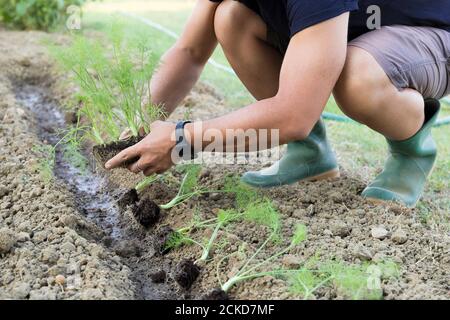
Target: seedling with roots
261, 213
114, 83
251, 269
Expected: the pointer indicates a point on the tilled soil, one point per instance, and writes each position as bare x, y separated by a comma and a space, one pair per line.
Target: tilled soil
43, 234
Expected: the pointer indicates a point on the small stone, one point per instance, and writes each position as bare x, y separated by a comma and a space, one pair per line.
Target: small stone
71, 117
298, 213
362, 253
399, 237
6, 205
291, 261
215, 196
25, 62
379, 233
204, 173
7, 240
23, 237
311, 210
60, 280
21, 291
68, 247
3, 191
49, 255
341, 229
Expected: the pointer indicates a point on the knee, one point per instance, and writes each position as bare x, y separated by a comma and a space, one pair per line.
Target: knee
361, 87
230, 22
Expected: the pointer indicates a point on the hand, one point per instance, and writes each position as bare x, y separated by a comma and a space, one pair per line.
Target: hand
154, 152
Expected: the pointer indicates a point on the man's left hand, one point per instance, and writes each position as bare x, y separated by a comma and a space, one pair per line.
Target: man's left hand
153, 153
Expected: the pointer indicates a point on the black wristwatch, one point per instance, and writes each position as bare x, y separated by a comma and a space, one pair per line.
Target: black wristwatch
183, 148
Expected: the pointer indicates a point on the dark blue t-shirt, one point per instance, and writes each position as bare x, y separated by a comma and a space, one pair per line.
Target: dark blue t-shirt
287, 17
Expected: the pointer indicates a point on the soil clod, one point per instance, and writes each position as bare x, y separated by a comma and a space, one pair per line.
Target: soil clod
103, 153
216, 295
158, 277
186, 273
128, 198
146, 212
162, 236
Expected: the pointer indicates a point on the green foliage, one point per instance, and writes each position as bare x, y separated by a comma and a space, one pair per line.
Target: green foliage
356, 282
176, 240
305, 282
144, 183
70, 146
300, 235
114, 82
191, 176
244, 194
189, 187
46, 161
263, 213
35, 14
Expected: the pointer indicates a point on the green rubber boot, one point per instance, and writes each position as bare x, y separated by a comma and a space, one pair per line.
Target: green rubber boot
409, 164
309, 159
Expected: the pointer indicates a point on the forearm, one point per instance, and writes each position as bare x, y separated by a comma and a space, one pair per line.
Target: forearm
177, 74
271, 121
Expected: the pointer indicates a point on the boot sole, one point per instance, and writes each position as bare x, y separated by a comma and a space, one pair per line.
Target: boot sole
397, 204
333, 174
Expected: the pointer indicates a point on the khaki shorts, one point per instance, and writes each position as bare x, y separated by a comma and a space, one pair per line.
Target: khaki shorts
412, 57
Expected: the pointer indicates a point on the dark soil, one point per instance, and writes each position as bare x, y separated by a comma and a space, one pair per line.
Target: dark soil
146, 212
186, 273
162, 236
103, 153
216, 295
127, 199
158, 277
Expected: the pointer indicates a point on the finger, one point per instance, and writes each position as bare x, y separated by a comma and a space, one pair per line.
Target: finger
126, 134
142, 132
122, 157
138, 166
149, 171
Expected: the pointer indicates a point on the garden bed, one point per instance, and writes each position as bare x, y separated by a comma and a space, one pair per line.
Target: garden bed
71, 226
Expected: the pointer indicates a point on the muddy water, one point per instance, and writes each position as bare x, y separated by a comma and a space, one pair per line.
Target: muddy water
89, 189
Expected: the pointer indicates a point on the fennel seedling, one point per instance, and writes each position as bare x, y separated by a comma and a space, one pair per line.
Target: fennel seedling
249, 271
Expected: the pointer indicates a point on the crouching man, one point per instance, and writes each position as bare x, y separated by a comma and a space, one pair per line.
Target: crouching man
387, 63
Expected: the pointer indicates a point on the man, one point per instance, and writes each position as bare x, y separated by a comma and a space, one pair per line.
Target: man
387, 63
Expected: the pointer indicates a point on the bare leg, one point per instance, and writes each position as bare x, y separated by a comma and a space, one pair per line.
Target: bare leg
365, 93
242, 35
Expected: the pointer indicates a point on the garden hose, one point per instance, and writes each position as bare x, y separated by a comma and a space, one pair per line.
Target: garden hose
338, 118
326, 115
